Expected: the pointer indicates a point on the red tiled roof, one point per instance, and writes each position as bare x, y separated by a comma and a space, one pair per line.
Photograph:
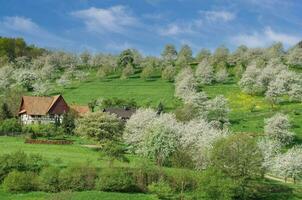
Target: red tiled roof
80, 110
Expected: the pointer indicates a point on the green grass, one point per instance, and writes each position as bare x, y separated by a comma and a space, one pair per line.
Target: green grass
91, 195
144, 92
243, 119
62, 154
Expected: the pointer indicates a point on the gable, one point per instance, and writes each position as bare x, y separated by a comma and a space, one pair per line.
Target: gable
33, 105
59, 106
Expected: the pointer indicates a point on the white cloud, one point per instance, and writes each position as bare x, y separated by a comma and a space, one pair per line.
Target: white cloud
18, 26
18, 23
175, 29
113, 19
215, 16
265, 38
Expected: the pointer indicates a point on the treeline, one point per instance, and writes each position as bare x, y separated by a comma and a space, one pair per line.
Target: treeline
11, 48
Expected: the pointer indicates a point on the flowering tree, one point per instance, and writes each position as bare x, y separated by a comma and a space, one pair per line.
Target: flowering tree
185, 84
41, 88
6, 79
134, 129
222, 75
63, 81
218, 110
100, 126
270, 149
198, 138
168, 73
294, 57
277, 128
161, 138
26, 78
289, 164
204, 72
127, 71
248, 82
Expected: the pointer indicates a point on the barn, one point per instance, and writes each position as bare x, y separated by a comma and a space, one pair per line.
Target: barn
34, 109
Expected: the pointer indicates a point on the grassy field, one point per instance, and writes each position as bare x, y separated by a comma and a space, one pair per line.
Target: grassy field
91, 195
144, 92
62, 154
248, 112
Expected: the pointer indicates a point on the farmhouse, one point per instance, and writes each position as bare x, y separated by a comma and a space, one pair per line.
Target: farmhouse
42, 109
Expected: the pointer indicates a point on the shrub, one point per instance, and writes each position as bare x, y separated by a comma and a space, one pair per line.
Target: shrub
21, 182
215, 185
20, 161
42, 130
182, 181
116, 180
50, 179
99, 125
146, 174
162, 190
10, 126
78, 178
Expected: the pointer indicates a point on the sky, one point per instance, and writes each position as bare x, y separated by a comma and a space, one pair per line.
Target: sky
111, 26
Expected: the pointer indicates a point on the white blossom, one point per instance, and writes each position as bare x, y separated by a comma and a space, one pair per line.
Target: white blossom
277, 128
198, 137
204, 72
289, 164
135, 126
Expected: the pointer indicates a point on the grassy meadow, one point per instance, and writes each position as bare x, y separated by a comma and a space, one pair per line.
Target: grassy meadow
247, 112
91, 195
145, 92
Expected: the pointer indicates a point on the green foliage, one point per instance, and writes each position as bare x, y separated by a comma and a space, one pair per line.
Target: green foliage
68, 123
168, 73
116, 180
126, 58
185, 113
92, 104
216, 185
10, 126
43, 130
127, 72
114, 150
21, 162
16, 47
78, 178
21, 182
50, 179
239, 158
100, 126
162, 190
5, 112
117, 102
147, 72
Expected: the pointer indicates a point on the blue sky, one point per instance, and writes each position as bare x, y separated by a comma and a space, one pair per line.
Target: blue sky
147, 25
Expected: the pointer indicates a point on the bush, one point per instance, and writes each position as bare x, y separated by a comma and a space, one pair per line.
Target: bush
42, 130
50, 179
162, 190
183, 181
21, 182
78, 178
116, 180
10, 126
145, 175
215, 185
20, 161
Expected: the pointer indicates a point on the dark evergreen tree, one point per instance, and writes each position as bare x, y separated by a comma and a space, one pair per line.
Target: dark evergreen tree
5, 112
68, 123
